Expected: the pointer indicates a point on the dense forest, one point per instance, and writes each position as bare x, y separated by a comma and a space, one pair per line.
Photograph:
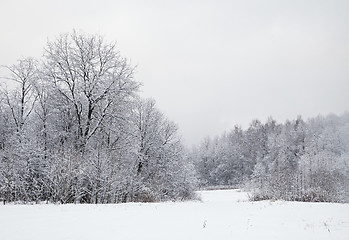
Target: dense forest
298, 160
75, 130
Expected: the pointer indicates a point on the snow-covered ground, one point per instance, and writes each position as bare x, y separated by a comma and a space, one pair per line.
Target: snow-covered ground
222, 214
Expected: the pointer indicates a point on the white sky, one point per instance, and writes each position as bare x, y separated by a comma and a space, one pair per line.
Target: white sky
209, 64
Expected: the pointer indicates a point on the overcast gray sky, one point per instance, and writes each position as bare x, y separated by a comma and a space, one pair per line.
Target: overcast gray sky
209, 64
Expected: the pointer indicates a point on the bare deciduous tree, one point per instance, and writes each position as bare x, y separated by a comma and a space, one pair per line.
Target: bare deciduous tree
21, 102
91, 75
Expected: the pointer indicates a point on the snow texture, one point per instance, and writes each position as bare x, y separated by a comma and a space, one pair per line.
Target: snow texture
221, 214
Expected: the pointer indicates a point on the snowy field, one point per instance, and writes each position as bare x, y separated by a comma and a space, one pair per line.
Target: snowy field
222, 214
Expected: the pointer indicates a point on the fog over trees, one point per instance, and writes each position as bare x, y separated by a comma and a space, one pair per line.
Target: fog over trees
297, 160
75, 130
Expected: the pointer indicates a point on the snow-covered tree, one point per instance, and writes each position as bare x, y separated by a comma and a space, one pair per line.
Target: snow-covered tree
91, 76
161, 172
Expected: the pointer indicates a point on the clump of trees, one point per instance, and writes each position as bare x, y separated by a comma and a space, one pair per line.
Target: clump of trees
298, 160
74, 130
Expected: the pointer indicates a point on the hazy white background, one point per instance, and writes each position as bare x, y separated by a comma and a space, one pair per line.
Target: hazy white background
208, 64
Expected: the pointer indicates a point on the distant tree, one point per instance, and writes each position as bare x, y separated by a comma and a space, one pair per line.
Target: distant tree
297, 160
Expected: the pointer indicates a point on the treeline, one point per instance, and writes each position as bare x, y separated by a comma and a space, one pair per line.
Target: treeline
74, 130
298, 160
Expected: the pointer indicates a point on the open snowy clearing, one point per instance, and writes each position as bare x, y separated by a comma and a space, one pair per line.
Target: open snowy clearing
222, 214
